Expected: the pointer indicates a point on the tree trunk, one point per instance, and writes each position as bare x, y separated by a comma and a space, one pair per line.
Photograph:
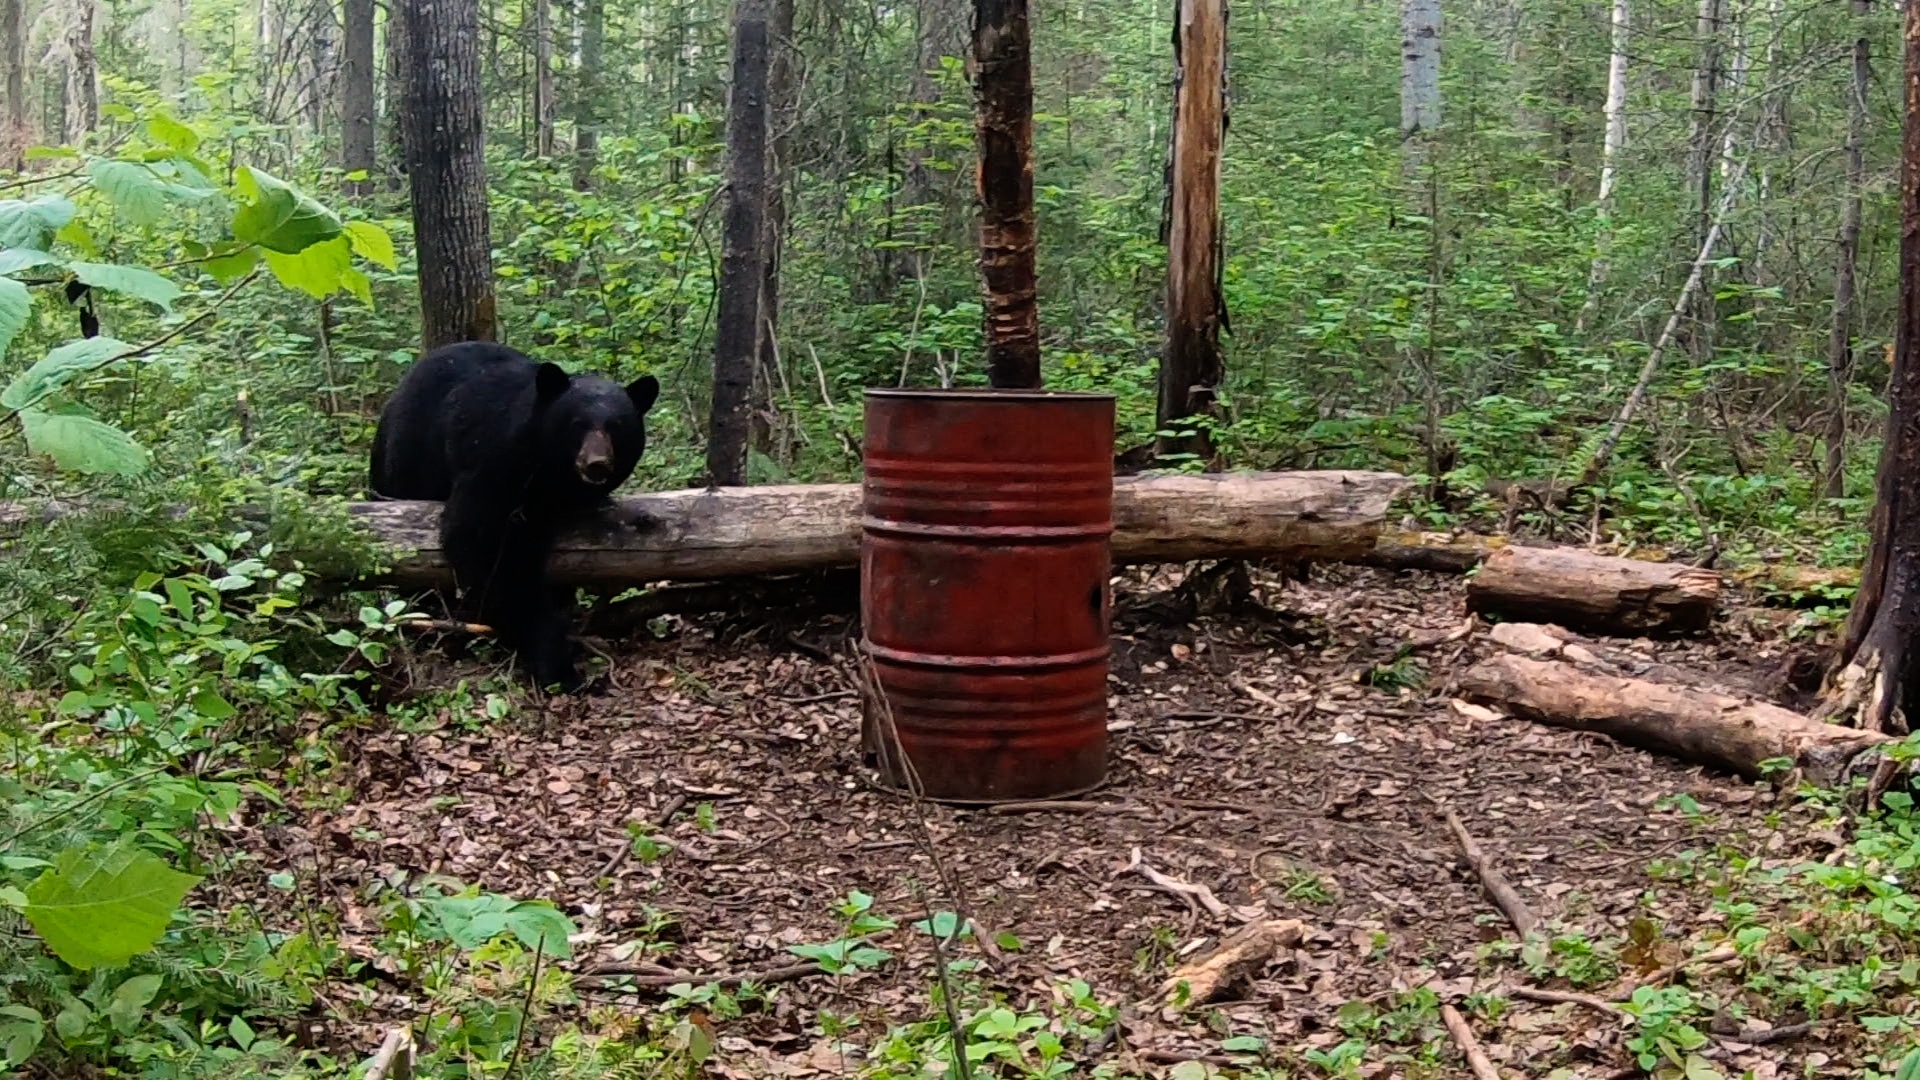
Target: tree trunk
1191, 370
1840, 342
1875, 681
15, 131
1613, 144
736, 339
1420, 29
356, 95
586, 125
1003, 124
774, 529
83, 77
447, 171
543, 78
395, 128
937, 34
1698, 726
783, 113
1602, 593
1700, 158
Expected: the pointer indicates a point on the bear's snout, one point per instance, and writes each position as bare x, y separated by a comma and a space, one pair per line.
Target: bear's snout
594, 462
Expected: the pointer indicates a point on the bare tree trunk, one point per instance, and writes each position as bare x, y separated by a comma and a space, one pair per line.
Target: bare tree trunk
1700, 157
447, 171
356, 95
783, 109
317, 62
1192, 368
83, 76
395, 127
543, 78
15, 132
736, 341
586, 125
1420, 30
1003, 127
1840, 342
1875, 681
1612, 146
937, 34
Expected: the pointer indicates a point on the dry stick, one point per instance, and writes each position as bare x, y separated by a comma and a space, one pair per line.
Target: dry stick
526, 1008
1565, 997
1477, 1059
1504, 898
1638, 395
1718, 955
395, 1059
763, 977
1192, 893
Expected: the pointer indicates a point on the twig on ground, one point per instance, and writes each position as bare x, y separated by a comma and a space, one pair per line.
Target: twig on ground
395, 1059
1187, 891
1565, 997
1763, 1036
1181, 1057
1477, 1059
1504, 898
763, 977
1066, 806
1720, 954
446, 626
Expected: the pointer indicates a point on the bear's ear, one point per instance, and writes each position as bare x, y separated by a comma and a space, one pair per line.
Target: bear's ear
550, 381
644, 391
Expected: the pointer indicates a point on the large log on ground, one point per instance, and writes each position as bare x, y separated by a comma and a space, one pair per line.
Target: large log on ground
1438, 552
1735, 734
731, 532
1602, 593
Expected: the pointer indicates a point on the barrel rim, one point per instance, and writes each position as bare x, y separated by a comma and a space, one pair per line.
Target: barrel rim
969, 393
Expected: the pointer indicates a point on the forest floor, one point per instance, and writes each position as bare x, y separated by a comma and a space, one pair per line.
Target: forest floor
1254, 757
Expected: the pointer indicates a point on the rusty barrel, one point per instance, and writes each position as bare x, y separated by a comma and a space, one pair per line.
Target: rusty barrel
984, 569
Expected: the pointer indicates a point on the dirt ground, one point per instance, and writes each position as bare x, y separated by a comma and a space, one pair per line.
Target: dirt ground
1246, 756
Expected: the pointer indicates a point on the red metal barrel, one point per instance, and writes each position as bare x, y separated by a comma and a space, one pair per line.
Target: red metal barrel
984, 571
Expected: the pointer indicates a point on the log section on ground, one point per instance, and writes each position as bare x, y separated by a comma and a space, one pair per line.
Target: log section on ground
1602, 593
1704, 728
731, 532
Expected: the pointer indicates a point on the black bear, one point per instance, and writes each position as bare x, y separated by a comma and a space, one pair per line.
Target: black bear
515, 449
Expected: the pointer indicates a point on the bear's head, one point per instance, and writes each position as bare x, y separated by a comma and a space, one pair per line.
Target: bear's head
592, 430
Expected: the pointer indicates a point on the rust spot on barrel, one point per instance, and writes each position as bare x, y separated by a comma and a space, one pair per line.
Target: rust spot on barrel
984, 567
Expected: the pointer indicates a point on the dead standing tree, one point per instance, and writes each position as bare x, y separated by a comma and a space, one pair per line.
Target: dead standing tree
1191, 369
441, 125
1003, 119
736, 342
1875, 681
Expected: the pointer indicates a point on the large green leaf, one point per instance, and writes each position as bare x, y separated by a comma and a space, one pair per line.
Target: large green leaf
82, 444
133, 280
14, 260
173, 134
16, 306
32, 223
277, 217
472, 921
317, 270
136, 194
104, 906
59, 367
371, 242
234, 265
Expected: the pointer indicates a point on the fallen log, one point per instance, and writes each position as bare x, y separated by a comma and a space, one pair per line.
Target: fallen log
1603, 593
1700, 727
732, 532
1435, 552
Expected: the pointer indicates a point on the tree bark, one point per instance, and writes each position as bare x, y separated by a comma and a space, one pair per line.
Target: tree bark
783, 114
1697, 726
772, 529
83, 76
446, 168
1612, 146
1875, 681
15, 131
736, 341
936, 35
586, 124
1840, 341
1583, 591
1003, 124
356, 95
543, 111
1192, 368
1420, 30
394, 128
1704, 100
